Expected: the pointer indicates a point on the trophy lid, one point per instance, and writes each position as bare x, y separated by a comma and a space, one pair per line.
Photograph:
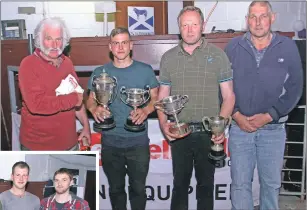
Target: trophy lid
106, 78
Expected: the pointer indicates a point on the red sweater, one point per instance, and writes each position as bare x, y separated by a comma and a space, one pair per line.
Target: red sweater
48, 122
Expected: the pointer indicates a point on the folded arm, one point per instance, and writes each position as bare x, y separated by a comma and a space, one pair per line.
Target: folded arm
36, 98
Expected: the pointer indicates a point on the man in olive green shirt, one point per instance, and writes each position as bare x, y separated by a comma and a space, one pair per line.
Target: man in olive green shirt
200, 70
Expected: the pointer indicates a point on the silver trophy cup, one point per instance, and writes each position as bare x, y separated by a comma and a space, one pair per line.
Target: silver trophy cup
104, 94
172, 105
216, 125
134, 97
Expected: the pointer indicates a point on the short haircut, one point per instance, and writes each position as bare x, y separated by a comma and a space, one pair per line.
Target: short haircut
262, 3
119, 30
191, 8
63, 171
21, 164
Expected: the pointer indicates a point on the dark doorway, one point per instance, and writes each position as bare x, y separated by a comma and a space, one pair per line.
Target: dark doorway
90, 189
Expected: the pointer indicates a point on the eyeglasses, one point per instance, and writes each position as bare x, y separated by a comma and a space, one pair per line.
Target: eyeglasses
260, 18
117, 44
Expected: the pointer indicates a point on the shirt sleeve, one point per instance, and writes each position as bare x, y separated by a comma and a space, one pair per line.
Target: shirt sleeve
35, 96
293, 85
164, 75
226, 72
152, 79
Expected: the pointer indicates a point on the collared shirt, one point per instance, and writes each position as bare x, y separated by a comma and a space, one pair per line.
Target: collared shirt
75, 203
61, 58
275, 86
197, 75
258, 53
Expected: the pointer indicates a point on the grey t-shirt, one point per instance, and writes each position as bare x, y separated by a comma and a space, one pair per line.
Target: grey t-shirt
10, 201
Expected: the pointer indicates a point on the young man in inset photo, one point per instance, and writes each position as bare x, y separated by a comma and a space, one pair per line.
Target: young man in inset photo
63, 198
17, 197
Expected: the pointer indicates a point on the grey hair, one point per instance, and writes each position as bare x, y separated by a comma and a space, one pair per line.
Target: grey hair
262, 3
53, 22
193, 9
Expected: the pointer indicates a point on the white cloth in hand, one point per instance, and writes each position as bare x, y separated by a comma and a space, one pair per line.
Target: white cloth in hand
68, 85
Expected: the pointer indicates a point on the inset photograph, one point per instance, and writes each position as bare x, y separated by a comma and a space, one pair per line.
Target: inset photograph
55, 181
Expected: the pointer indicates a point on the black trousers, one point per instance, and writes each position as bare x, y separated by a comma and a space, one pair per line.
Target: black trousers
119, 162
192, 151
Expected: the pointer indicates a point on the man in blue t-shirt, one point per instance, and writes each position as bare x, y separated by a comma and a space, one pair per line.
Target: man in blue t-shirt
125, 152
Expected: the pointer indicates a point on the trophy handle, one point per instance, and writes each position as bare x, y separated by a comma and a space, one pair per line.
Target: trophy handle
116, 90
122, 92
97, 101
93, 82
159, 106
228, 121
184, 99
147, 90
206, 123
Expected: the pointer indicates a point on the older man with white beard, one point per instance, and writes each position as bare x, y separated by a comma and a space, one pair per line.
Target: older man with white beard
17, 197
63, 198
48, 120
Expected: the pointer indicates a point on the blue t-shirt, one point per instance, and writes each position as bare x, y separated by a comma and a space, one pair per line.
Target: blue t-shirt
137, 75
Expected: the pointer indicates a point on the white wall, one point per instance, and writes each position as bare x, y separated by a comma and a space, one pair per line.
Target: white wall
7, 160
232, 14
174, 8
80, 16
42, 167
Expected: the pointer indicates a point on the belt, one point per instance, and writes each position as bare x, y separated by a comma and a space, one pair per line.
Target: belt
196, 127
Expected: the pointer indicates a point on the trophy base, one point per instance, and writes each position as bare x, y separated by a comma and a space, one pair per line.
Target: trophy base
107, 124
181, 129
130, 126
214, 155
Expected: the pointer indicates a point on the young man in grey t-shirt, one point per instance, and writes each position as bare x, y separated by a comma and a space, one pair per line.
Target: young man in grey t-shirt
17, 197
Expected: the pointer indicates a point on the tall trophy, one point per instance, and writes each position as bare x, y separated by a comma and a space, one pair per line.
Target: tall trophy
134, 97
216, 125
104, 94
172, 105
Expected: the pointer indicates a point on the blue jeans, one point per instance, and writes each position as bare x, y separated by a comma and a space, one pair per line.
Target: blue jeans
264, 147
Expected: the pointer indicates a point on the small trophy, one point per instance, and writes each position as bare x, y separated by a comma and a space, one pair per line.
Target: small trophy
134, 97
217, 126
172, 105
104, 94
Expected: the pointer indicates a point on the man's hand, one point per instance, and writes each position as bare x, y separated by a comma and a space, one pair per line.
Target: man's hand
80, 99
138, 116
218, 139
259, 120
244, 123
100, 113
85, 134
171, 136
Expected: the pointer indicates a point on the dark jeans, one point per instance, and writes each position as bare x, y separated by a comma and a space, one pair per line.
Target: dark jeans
133, 161
192, 151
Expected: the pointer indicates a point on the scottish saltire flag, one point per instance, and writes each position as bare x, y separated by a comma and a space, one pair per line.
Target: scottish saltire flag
141, 20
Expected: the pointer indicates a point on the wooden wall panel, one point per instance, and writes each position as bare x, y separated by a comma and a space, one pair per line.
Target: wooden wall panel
160, 14
188, 3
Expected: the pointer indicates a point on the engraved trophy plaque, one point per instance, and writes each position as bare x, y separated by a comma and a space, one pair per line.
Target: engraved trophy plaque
104, 94
216, 125
134, 97
172, 105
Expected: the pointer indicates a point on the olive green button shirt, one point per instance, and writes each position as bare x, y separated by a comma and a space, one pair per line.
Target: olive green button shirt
198, 76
